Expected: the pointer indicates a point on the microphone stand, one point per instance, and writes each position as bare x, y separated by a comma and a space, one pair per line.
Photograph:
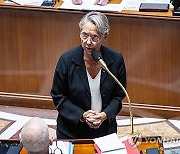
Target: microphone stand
96, 56
102, 63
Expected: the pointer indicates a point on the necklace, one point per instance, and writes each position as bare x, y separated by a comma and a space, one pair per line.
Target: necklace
93, 64
89, 53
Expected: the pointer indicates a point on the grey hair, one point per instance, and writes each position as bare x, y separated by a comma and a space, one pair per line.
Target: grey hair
98, 19
35, 136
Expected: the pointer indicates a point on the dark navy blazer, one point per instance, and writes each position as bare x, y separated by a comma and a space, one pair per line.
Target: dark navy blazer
71, 93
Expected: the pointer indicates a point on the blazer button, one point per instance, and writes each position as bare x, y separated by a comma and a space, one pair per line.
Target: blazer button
103, 95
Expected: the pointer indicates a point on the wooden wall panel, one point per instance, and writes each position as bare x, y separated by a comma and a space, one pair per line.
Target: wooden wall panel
31, 41
151, 52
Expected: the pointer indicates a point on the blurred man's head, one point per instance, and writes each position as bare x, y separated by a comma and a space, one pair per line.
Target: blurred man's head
35, 136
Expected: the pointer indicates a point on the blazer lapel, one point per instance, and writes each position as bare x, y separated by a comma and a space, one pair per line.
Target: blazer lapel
83, 76
81, 70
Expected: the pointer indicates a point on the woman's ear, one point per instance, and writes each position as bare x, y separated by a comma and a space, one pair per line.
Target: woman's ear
105, 36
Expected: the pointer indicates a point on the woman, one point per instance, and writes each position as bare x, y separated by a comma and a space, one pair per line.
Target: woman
86, 97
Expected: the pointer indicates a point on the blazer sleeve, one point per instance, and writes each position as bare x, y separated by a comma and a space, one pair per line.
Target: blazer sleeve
114, 105
59, 92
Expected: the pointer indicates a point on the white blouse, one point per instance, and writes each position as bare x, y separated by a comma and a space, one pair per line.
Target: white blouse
94, 84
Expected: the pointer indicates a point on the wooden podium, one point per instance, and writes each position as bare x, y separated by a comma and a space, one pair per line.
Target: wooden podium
80, 147
85, 146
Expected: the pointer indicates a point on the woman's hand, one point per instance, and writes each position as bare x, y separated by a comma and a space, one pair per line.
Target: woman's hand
95, 120
87, 114
77, 2
97, 2
101, 2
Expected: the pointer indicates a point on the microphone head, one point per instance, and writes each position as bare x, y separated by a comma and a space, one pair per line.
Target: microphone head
96, 56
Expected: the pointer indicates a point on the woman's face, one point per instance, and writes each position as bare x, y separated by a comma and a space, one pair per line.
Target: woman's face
90, 38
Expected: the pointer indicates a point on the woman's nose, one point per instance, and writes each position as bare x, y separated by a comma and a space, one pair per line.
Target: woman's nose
89, 40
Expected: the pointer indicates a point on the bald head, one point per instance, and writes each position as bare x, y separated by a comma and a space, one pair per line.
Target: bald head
35, 136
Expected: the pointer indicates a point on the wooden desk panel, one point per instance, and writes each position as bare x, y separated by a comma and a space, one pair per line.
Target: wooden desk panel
86, 146
32, 39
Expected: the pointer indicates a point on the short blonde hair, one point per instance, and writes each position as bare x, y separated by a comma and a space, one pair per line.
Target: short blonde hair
98, 19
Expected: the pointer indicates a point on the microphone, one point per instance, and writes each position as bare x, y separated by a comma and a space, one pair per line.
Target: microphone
97, 57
